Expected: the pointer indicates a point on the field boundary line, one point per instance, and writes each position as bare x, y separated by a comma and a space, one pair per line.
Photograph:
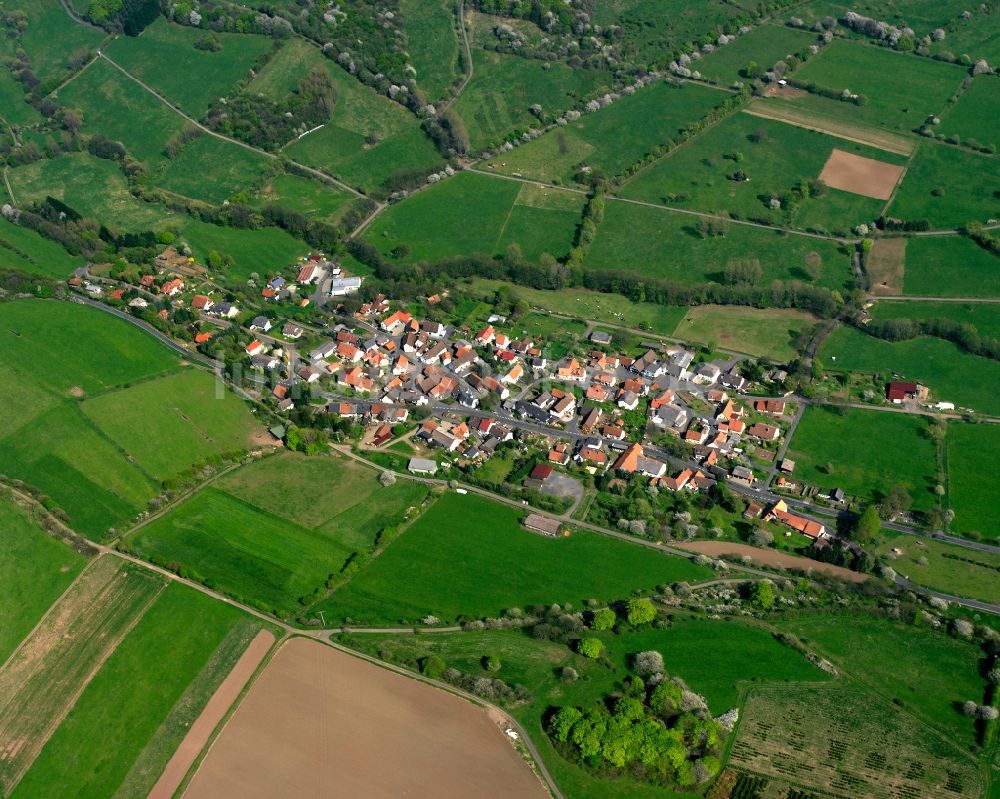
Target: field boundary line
510, 213
898, 183
818, 128
74, 76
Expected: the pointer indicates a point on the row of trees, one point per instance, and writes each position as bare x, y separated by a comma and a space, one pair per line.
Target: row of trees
964, 334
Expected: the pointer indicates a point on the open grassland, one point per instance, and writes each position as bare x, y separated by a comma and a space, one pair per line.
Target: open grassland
951, 266
927, 671
504, 87
613, 138
475, 213
264, 252
973, 463
122, 708
52, 39
764, 45
772, 333
211, 170
433, 43
470, 556
93, 187
885, 265
195, 78
951, 374
955, 570
902, 90
13, 101
283, 73
25, 250
667, 245
122, 110
870, 452
948, 187
840, 740
922, 15
984, 316
34, 570
169, 423
775, 157
312, 198
976, 115
42, 680
977, 37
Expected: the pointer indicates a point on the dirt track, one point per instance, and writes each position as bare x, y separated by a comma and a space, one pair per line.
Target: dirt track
210, 716
860, 175
770, 557
320, 723
883, 140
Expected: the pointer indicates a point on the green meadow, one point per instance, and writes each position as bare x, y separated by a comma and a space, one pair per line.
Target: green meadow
764, 45
312, 198
984, 316
976, 115
973, 461
773, 333
52, 39
955, 570
949, 266
211, 170
263, 252
23, 249
432, 43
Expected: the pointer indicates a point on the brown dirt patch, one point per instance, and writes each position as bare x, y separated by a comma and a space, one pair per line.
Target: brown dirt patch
770, 557
319, 722
76, 391
793, 115
788, 92
210, 716
886, 265
860, 175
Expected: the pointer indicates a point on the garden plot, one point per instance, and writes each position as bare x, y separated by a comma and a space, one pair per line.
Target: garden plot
860, 175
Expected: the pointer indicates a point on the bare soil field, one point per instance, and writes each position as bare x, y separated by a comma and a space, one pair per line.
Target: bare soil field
860, 175
319, 722
211, 715
886, 266
884, 140
770, 557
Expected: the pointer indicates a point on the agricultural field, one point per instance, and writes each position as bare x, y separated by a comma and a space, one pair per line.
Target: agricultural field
312, 198
166, 424
475, 213
25, 250
945, 567
764, 45
490, 562
952, 374
775, 158
667, 245
975, 118
865, 453
952, 266
196, 77
120, 109
613, 138
984, 316
262, 252
433, 44
211, 170
504, 87
35, 568
93, 187
52, 39
774, 333
973, 459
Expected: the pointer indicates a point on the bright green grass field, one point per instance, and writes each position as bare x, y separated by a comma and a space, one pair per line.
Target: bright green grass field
871, 452
475, 213
902, 90
468, 555
286, 69
53, 38
94, 187
504, 87
168, 423
265, 251
767, 333
23, 249
696, 175
951, 266
764, 45
976, 115
91, 752
121, 109
16, 109
927, 671
977, 38
973, 463
666, 245
432, 43
985, 316
312, 198
35, 569
951, 374
969, 182
211, 170
614, 137
164, 56
952, 569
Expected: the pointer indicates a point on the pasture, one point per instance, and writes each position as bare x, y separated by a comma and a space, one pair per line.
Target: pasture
976, 37
984, 316
212, 170
667, 245
433, 44
169, 423
885, 265
25, 250
951, 374
35, 569
312, 198
504, 87
948, 187
950, 267
613, 138
16, 108
196, 78
53, 39
773, 333
775, 159
283, 73
120, 109
263, 252
469, 556
945, 567
764, 45
869, 451
973, 460
975, 118
475, 213
121, 710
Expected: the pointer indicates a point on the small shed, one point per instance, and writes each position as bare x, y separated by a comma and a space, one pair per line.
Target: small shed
542, 524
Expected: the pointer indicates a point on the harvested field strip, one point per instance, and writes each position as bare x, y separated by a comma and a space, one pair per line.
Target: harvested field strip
43, 679
772, 558
213, 713
885, 265
803, 119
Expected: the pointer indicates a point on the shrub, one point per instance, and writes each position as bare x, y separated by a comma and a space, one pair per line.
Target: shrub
590, 647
